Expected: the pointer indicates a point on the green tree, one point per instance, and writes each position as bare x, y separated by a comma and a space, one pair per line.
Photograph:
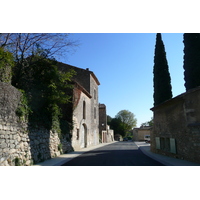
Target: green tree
6, 64
151, 122
25, 45
116, 125
161, 80
148, 123
127, 121
191, 60
109, 119
47, 90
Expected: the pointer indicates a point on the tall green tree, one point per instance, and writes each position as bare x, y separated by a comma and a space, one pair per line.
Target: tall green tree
162, 79
191, 60
128, 121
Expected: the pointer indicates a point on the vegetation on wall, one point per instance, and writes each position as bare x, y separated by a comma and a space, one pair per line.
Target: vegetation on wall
27, 62
162, 79
46, 90
6, 64
23, 109
191, 60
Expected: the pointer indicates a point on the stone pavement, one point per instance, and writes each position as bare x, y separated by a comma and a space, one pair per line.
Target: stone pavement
166, 160
144, 147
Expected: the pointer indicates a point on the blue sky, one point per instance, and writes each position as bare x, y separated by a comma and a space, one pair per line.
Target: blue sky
123, 63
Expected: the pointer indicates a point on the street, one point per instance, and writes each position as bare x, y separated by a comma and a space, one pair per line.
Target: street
115, 154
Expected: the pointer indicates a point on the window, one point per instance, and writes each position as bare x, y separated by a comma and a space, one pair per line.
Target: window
77, 134
157, 143
84, 110
95, 113
95, 94
172, 145
162, 143
165, 144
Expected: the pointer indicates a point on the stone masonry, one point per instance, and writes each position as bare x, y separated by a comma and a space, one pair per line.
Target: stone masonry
85, 131
19, 144
176, 130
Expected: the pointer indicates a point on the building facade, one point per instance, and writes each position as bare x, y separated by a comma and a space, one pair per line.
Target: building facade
176, 130
139, 133
85, 107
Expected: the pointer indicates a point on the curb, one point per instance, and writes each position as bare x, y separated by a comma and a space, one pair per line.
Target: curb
149, 154
165, 160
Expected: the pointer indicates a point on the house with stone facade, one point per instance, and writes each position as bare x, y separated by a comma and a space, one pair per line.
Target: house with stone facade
176, 130
85, 114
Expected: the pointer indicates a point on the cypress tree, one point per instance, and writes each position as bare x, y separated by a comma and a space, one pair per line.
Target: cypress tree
162, 80
191, 60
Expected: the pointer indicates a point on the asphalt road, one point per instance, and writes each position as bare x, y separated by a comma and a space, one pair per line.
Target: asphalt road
116, 154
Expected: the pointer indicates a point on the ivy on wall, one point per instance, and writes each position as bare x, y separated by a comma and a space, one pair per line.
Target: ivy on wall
6, 64
46, 99
46, 92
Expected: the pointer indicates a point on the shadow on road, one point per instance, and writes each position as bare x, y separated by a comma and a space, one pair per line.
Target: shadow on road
117, 154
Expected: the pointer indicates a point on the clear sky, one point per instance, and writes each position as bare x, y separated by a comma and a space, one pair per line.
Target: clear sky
123, 63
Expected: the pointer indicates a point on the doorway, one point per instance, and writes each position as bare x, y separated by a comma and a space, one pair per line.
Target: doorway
84, 134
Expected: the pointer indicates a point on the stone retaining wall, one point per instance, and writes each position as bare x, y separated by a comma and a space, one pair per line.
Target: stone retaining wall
19, 144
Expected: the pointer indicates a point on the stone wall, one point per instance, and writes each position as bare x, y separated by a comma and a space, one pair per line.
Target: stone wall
81, 135
176, 131
20, 144
94, 104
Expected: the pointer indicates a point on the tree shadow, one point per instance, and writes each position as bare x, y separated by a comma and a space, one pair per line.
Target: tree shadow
50, 135
106, 156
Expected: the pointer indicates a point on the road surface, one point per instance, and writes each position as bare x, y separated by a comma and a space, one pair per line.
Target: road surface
115, 154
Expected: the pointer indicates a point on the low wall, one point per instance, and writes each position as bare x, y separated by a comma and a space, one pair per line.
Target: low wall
20, 144
176, 131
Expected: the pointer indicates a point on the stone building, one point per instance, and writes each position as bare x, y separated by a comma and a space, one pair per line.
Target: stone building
85, 107
24, 145
106, 134
139, 133
176, 130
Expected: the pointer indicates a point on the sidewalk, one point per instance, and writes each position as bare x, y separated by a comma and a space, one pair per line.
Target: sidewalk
58, 161
165, 160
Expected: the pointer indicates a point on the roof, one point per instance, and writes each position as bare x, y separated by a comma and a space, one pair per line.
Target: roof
177, 98
102, 105
77, 85
63, 66
95, 78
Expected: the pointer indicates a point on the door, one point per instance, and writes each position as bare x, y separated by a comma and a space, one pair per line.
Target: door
84, 134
